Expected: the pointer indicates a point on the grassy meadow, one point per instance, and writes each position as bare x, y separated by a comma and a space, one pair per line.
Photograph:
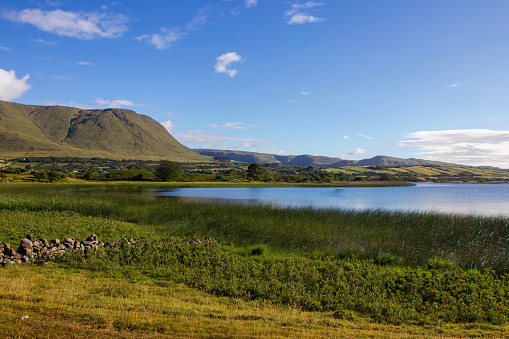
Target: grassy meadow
266, 272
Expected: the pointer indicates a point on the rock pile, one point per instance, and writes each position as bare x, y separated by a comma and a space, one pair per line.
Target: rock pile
39, 251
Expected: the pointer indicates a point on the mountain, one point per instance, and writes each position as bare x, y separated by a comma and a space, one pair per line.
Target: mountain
311, 160
33, 131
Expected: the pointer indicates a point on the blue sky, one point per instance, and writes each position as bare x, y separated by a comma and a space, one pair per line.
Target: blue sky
340, 78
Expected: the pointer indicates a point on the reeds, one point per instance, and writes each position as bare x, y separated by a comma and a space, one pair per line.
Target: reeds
414, 237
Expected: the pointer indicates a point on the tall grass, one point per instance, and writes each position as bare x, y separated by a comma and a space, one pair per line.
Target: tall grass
414, 237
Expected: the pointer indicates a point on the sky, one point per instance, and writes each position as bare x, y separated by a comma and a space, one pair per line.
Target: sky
350, 79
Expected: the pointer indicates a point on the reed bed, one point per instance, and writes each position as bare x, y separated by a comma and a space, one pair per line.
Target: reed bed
413, 238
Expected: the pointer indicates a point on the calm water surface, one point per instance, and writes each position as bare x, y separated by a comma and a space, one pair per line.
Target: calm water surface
485, 199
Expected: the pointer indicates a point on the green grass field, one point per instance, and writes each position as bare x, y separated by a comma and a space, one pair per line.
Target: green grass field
268, 272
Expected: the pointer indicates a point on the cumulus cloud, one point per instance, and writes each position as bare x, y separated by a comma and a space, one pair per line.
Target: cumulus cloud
11, 87
162, 40
357, 151
169, 125
298, 13
476, 147
115, 103
223, 63
81, 25
251, 3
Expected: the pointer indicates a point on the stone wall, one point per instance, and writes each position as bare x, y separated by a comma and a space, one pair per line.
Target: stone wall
40, 251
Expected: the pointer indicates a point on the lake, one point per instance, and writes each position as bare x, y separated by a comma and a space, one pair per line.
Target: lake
482, 199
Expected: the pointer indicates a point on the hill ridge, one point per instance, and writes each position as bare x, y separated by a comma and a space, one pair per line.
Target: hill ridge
315, 161
29, 130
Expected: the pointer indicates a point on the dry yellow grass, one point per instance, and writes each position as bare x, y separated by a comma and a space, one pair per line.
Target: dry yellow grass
51, 302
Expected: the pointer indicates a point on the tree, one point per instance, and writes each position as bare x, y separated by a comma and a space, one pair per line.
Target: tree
254, 172
168, 171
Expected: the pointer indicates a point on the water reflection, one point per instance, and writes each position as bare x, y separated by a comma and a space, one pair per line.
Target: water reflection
482, 199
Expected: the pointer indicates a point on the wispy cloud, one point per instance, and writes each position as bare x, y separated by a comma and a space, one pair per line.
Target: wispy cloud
346, 137
299, 13
5, 49
305, 93
43, 42
162, 40
204, 139
119, 103
223, 63
60, 77
465, 146
454, 85
12, 87
251, 3
234, 125
365, 136
85, 63
167, 36
290, 101
81, 25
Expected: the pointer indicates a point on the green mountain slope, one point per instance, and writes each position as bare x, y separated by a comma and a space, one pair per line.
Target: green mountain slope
66, 131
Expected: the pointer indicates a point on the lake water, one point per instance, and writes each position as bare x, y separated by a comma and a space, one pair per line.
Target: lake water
482, 199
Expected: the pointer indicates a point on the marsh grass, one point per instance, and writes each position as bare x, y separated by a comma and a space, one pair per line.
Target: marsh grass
413, 237
410, 268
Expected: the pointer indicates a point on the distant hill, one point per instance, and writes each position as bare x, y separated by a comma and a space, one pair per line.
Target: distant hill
311, 160
32, 131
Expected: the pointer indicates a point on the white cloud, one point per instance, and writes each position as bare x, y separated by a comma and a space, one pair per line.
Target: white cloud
305, 93
365, 136
81, 25
163, 40
115, 103
85, 63
167, 36
346, 137
203, 139
275, 151
298, 14
44, 42
12, 87
224, 62
5, 49
290, 101
454, 85
169, 125
251, 3
476, 147
235, 125
199, 19
60, 77
357, 151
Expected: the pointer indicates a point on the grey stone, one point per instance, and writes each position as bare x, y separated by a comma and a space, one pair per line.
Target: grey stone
55, 242
26, 243
9, 252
